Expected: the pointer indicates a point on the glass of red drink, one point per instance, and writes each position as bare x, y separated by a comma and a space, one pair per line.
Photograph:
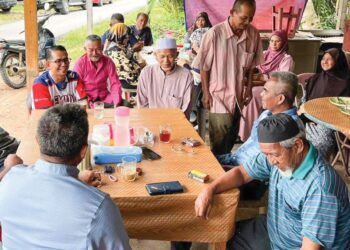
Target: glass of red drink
165, 133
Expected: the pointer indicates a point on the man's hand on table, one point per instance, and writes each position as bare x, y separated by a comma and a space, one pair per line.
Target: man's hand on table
203, 203
90, 177
10, 161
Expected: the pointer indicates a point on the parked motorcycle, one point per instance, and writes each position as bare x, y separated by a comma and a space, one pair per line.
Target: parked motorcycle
12, 61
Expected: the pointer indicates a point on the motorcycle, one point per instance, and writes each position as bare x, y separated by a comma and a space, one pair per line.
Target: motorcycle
12, 61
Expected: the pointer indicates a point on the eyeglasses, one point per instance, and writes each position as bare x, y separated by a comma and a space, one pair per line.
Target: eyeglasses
62, 61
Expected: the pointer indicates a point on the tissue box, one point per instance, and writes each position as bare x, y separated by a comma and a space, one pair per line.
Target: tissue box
113, 154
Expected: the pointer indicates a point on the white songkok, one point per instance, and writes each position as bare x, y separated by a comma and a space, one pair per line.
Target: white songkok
166, 43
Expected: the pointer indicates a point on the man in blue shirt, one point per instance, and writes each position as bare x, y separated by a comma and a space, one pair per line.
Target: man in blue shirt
45, 205
277, 97
308, 201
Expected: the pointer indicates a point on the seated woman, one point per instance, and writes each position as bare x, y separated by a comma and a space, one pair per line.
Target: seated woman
334, 80
194, 34
124, 57
276, 59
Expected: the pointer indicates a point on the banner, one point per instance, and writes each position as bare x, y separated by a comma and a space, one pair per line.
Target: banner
219, 10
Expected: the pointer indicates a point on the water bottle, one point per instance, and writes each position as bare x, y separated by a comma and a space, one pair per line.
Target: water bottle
122, 132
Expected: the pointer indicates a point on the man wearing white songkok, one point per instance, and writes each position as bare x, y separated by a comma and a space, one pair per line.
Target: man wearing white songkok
165, 85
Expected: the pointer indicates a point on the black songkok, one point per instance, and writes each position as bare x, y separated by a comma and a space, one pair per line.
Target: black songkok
277, 128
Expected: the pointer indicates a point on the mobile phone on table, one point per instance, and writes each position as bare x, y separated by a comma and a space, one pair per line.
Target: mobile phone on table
149, 154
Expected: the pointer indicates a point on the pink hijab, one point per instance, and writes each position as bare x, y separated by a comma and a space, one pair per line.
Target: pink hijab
274, 58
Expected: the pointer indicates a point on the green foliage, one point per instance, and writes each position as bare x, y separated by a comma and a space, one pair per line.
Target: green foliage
325, 10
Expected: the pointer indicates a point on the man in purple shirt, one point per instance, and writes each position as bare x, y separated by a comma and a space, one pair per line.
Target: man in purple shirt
98, 74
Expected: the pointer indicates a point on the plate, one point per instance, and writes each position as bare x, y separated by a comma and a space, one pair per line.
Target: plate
340, 101
345, 111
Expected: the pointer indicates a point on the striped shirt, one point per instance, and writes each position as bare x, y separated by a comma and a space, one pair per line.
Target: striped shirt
312, 203
46, 92
228, 58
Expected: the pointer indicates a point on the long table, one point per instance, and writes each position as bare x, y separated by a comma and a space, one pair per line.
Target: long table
165, 217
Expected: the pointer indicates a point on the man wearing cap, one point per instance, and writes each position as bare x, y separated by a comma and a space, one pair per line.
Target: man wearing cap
165, 85
228, 52
308, 201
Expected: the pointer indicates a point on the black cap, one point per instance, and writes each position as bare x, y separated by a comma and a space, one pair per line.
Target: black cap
277, 128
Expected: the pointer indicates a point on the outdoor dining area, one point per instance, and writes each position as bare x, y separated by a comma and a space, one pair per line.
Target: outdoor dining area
237, 137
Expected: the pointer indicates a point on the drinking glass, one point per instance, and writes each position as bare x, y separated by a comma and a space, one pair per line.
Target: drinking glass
98, 110
165, 133
129, 168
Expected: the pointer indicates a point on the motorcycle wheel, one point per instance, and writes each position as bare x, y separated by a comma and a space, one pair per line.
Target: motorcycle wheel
6, 9
12, 78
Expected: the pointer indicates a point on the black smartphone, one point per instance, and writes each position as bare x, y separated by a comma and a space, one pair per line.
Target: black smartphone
149, 154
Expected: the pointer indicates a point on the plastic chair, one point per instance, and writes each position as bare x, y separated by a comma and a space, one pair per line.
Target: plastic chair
290, 19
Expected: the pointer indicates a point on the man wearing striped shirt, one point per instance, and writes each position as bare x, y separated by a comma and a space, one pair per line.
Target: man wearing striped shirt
308, 201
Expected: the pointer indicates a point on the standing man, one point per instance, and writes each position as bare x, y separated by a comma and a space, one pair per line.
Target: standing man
45, 205
98, 73
229, 51
165, 85
57, 85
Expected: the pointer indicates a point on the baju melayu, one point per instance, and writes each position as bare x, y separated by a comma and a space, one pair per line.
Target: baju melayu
159, 90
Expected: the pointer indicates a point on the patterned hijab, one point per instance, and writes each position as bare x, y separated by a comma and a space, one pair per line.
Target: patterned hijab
273, 58
119, 32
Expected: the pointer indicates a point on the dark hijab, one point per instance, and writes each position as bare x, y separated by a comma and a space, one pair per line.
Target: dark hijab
333, 82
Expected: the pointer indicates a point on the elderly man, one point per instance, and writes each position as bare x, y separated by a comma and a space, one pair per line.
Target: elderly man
229, 51
277, 97
165, 85
45, 205
98, 74
57, 85
308, 201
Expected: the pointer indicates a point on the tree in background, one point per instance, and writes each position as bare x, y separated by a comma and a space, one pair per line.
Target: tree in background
173, 18
326, 11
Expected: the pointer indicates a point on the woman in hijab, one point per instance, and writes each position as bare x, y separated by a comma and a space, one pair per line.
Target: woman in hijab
124, 57
194, 34
334, 80
276, 59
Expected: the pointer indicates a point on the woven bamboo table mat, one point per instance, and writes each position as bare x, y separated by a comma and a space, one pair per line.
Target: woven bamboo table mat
165, 217
320, 110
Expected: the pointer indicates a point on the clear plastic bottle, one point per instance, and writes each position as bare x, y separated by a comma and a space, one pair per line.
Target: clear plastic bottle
122, 132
